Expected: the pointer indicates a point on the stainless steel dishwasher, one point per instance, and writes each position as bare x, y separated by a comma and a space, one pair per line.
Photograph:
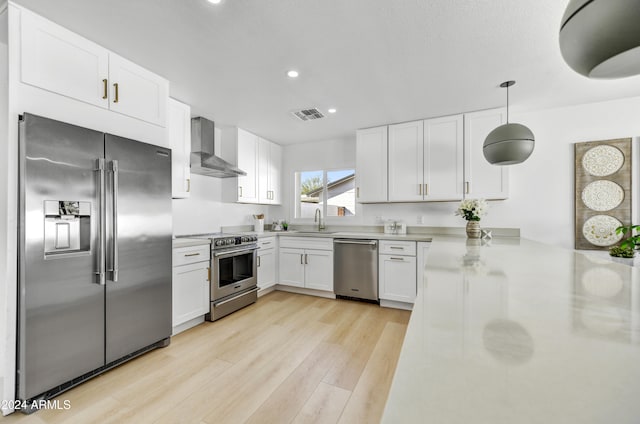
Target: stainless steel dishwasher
355, 268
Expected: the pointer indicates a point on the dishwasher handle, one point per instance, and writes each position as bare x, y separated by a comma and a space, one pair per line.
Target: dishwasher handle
364, 242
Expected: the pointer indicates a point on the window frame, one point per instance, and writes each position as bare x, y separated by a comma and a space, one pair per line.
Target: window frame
296, 196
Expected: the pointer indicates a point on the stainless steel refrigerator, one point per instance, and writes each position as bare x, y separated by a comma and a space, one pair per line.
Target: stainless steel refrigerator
94, 253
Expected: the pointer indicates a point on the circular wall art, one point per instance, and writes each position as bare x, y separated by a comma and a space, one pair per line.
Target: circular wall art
600, 230
602, 160
602, 195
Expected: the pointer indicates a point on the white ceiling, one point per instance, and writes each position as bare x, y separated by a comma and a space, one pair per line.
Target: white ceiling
376, 61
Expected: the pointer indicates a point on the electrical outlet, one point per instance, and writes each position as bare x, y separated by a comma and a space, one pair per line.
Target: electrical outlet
379, 218
420, 219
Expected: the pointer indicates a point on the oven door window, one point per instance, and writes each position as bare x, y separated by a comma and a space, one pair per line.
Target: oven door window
233, 269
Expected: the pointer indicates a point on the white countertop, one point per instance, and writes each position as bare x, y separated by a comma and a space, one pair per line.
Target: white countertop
188, 242
519, 332
347, 234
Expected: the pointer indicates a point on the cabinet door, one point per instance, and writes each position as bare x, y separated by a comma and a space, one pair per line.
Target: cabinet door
266, 268
275, 174
291, 267
56, 59
318, 273
371, 165
136, 92
179, 128
248, 162
397, 276
190, 291
406, 166
264, 165
444, 158
483, 180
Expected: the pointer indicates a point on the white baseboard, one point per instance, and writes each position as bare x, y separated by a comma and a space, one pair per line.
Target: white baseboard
310, 292
266, 290
396, 305
187, 325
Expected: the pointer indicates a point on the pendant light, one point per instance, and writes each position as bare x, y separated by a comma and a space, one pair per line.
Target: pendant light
601, 38
509, 143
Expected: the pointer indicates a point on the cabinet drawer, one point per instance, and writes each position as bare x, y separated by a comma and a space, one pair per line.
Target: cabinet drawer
390, 247
318, 243
267, 243
191, 254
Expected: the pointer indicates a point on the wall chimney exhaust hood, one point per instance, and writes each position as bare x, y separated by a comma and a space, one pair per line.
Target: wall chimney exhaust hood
203, 158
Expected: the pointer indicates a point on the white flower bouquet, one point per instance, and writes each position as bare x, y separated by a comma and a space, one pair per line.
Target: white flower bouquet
472, 209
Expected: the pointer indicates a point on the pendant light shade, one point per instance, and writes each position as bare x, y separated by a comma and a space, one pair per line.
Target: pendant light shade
509, 143
601, 38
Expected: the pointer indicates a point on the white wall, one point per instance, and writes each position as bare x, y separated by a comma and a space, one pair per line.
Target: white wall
204, 211
541, 189
4, 132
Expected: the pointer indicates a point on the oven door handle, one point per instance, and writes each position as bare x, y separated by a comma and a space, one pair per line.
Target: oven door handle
255, 289
233, 252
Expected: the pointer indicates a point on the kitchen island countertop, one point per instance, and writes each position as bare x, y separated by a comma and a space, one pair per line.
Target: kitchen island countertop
515, 331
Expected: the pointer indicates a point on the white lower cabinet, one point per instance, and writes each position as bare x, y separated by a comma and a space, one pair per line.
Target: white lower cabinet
190, 288
306, 263
397, 271
267, 262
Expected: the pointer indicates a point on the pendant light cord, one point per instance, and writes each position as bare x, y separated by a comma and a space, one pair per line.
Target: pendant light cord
507, 104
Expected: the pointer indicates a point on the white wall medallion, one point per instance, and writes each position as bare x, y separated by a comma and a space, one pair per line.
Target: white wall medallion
602, 195
600, 230
604, 160
602, 185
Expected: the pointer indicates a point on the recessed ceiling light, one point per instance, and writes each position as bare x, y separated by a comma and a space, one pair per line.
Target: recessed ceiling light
214, 1
292, 74
332, 110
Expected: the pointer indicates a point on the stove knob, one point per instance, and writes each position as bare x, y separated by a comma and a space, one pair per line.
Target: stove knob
219, 242
254, 238
231, 241
245, 239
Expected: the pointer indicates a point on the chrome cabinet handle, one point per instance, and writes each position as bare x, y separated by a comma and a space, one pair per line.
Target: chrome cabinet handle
258, 261
192, 254
426, 189
240, 191
106, 89
466, 187
116, 99
396, 259
188, 185
301, 259
266, 242
396, 247
114, 170
358, 192
420, 189
208, 273
102, 238
306, 259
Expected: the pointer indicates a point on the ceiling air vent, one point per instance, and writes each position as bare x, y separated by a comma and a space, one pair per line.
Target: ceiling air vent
308, 114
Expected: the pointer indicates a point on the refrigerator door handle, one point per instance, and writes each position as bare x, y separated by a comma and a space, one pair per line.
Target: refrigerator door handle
102, 239
114, 271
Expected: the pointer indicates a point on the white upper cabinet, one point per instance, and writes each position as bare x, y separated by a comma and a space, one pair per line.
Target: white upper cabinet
406, 162
248, 162
444, 158
481, 179
179, 128
275, 173
57, 60
261, 160
371, 165
269, 164
137, 92
60, 61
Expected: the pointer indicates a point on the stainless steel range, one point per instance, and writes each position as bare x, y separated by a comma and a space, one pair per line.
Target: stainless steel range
234, 280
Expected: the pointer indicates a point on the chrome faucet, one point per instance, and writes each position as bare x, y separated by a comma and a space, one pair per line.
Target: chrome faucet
318, 218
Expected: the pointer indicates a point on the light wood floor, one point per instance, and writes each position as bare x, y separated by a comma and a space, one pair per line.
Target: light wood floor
286, 359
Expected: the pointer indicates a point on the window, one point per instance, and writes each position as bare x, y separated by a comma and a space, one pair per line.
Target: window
333, 192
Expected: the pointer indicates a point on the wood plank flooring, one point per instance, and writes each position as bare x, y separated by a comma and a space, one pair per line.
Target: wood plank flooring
288, 358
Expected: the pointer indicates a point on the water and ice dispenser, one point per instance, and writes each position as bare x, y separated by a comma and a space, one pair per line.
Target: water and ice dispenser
67, 227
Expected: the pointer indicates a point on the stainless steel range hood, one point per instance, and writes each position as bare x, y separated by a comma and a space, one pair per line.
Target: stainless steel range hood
203, 158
